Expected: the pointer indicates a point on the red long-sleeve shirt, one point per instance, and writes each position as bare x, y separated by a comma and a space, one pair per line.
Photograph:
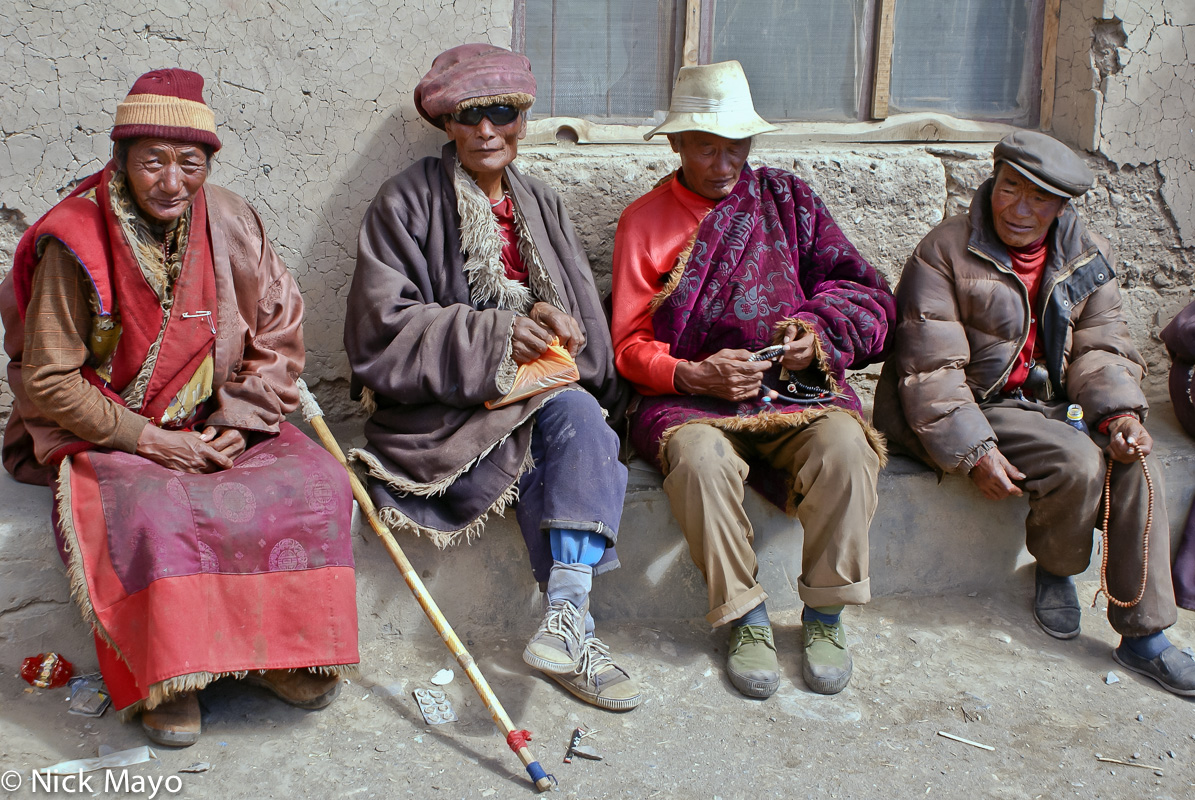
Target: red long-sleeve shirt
652, 233
1028, 263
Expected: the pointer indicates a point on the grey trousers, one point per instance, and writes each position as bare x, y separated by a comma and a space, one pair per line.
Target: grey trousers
1064, 481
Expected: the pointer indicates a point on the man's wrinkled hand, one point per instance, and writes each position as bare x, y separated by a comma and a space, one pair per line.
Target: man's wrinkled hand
1128, 439
727, 374
528, 340
994, 475
798, 349
229, 441
567, 329
185, 451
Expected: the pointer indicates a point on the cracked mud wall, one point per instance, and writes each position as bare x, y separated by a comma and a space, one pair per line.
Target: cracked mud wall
12, 225
312, 101
1126, 90
1148, 113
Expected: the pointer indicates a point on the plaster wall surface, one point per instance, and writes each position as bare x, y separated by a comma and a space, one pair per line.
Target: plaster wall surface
1126, 90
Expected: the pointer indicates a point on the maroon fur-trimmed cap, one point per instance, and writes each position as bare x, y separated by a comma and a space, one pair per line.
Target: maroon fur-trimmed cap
474, 75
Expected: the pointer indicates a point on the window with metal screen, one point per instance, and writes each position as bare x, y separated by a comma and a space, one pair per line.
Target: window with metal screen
976, 59
805, 59
613, 60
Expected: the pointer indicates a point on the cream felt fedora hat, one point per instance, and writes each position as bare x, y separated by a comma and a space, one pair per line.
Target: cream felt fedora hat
714, 98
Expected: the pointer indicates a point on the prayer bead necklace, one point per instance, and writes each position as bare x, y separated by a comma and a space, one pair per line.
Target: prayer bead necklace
795, 386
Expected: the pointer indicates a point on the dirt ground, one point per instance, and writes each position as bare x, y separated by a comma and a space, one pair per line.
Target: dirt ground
975, 667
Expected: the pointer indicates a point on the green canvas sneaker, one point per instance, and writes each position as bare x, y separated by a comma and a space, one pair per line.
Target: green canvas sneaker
827, 667
751, 661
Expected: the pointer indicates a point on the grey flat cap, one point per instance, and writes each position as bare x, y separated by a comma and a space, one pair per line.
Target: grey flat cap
1046, 161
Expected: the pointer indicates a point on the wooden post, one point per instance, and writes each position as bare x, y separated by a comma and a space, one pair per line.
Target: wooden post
691, 49
1049, 62
883, 69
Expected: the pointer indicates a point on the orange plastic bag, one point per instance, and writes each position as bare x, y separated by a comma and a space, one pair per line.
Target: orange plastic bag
552, 369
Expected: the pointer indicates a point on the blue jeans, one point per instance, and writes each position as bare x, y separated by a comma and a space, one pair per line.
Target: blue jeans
577, 482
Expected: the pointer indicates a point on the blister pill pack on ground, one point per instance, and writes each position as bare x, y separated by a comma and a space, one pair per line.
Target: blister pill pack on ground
434, 706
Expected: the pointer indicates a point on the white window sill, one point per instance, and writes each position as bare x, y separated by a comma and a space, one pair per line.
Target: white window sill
916, 127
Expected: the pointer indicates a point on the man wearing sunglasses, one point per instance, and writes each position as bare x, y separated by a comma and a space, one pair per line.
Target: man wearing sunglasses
466, 270
500, 114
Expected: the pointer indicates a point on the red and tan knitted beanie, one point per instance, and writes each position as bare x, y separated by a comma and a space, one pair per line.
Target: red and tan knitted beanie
167, 104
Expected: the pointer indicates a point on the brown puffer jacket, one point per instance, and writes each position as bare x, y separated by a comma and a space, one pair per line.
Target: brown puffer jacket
962, 317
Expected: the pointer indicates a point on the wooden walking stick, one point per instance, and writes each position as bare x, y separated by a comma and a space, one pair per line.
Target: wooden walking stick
516, 739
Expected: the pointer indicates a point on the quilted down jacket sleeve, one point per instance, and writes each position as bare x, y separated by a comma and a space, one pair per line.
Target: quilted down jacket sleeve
931, 353
1104, 369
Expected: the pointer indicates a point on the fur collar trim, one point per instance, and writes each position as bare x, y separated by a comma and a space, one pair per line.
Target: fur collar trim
481, 245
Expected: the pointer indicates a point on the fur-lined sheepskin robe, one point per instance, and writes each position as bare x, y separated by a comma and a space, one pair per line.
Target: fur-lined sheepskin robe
428, 335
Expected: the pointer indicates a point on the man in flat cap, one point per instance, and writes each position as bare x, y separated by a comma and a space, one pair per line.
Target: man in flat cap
718, 262
1008, 318
466, 271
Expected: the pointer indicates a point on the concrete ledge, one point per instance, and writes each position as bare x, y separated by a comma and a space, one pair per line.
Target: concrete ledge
926, 539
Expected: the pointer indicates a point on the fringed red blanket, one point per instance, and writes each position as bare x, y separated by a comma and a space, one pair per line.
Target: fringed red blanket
187, 578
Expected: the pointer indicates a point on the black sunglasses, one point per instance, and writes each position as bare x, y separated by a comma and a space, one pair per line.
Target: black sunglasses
499, 115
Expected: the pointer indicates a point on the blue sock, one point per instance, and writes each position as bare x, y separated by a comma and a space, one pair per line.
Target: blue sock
756, 616
577, 547
826, 614
1147, 646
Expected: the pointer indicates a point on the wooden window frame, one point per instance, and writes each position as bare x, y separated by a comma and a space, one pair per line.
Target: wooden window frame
876, 124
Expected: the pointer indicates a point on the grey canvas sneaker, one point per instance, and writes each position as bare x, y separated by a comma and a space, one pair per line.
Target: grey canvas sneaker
556, 647
598, 680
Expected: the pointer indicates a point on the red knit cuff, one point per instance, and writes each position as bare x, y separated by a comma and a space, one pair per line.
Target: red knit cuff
1107, 421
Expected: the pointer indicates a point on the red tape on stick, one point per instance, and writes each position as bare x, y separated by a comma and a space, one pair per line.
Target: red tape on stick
517, 739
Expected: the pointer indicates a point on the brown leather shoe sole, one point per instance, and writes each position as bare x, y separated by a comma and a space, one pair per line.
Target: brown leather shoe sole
300, 688
175, 723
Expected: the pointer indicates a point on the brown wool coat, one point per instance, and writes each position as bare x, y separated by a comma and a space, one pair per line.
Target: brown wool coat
258, 354
432, 356
962, 317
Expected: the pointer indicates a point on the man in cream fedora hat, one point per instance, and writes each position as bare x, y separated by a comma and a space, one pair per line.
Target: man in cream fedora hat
738, 307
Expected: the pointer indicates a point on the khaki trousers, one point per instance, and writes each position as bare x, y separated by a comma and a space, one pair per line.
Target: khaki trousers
834, 471
1064, 472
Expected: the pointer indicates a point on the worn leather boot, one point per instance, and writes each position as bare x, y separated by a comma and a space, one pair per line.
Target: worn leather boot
300, 688
174, 723
1173, 669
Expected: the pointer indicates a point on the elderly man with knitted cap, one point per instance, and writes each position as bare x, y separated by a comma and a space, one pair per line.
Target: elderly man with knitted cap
467, 271
738, 307
1009, 328
155, 338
